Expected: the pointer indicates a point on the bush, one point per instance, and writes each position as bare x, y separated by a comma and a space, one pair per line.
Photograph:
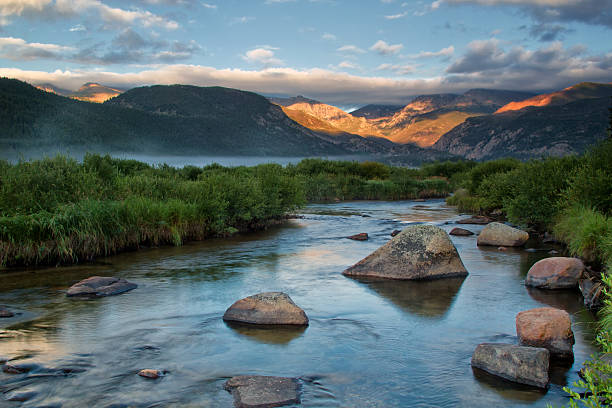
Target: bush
587, 232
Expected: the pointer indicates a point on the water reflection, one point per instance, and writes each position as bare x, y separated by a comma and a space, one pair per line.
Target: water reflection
508, 389
431, 298
281, 335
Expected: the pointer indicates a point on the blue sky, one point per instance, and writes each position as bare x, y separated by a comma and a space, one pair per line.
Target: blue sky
340, 52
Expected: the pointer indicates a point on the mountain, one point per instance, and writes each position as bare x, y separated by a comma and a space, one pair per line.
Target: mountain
531, 132
177, 120
89, 92
422, 122
376, 111
584, 90
93, 92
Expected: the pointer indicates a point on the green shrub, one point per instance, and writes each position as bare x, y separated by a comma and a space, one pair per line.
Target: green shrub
587, 232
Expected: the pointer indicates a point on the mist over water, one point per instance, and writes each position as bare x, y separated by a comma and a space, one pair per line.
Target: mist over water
369, 344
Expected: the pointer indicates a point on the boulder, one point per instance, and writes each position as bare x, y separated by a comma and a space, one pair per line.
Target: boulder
592, 293
263, 392
4, 313
548, 328
270, 308
498, 234
418, 252
461, 232
524, 365
477, 220
359, 237
100, 286
149, 373
555, 273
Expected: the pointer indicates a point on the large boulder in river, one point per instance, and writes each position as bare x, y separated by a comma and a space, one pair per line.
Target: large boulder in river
524, 365
546, 327
99, 286
555, 273
270, 308
418, 252
263, 392
498, 234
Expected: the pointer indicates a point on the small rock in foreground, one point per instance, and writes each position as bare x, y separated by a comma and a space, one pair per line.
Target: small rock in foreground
263, 391
498, 234
100, 286
149, 373
546, 327
270, 308
461, 232
555, 273
418, 252
359, 237
524, 365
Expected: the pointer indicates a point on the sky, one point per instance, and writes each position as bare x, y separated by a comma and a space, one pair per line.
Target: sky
342, 52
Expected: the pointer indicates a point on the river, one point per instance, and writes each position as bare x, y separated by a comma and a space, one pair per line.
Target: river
369, 344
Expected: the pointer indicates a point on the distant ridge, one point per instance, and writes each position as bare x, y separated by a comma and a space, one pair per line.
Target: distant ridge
89, 92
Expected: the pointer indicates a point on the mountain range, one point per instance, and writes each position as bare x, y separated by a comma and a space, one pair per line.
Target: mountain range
182, 119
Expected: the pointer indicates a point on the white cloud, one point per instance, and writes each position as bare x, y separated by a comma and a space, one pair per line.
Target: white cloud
242, 20
398, 69
444, 52
383, 48
329, 37
111, 16
351, 49
209, 6
21, 50
77, 28
348, 65
396, 16
264, 56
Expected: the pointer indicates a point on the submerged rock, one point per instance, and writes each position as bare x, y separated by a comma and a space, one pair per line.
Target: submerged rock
418, 252
555, 273
100, 286
524, 365
263, 391
270, 308
149, 373
5, 313
17, 369
395, 232
498, 234
546, 327
477, 220
20, 396
461, 232
359, 237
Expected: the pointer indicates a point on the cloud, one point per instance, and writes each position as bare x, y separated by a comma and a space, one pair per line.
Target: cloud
548, 32
383, 48
339, 87
398, 69
241, 20
209, 6
17, 49
329, 37
126, 47
263, 56
595, 12
77, 28
350, 49
348, 65
444, 52
110, 16
396, 16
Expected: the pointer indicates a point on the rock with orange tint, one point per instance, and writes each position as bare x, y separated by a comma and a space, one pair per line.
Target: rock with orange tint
546, 327
461, 232
555, 273
363, 236
270, 308
149, 373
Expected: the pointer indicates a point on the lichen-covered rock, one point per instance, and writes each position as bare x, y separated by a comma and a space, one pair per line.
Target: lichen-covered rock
418, 252
498, 234
270, 308
263, 391
555, 273
546, 327
100, 286
524, 365
461, 232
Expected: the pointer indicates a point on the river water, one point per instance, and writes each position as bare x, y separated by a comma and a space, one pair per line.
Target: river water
369, 344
